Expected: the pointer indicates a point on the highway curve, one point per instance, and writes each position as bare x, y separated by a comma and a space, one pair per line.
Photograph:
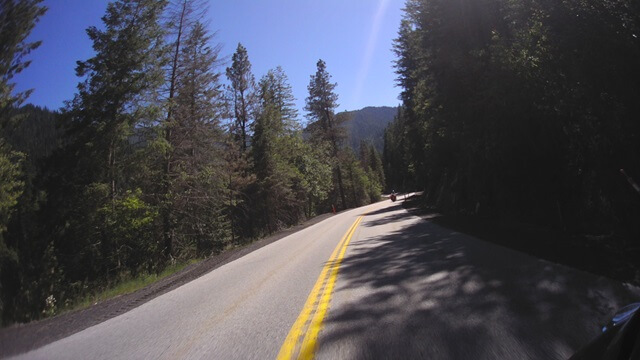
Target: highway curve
371, 283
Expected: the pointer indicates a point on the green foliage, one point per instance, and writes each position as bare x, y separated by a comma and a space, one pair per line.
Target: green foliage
281, 191
241, 99
313, 172
119, 79
127, 285
525, 109
128, 223
325, 127
192, 201
17, 19
320, 106
131, 179
242, 95
361, 187
398, 164
11, 184
274, 89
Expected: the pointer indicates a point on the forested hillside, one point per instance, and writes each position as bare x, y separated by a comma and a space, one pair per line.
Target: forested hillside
166, 153
525, 110
368, 125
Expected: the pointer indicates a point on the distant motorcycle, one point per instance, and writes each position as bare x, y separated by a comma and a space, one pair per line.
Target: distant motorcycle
393, 197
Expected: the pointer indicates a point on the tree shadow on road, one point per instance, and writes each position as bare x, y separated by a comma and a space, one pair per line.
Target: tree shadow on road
386, 210
435, 293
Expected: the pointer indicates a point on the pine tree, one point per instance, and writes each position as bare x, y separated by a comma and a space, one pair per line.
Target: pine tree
361, 188
184, 17
105, 159
519, 108
274, 88
242, 94
241, 99
280, 194
364, 154
324, 125
197, 181
17, 19
375, 165
125, 69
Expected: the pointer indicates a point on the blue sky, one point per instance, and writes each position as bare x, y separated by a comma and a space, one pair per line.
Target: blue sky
354, 38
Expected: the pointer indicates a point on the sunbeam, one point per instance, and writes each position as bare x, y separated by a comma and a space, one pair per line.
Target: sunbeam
368, 54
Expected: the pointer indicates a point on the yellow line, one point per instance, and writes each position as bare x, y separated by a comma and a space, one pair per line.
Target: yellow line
310, 342
287, 351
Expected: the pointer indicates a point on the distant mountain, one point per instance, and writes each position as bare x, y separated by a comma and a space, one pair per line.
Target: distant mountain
369, 124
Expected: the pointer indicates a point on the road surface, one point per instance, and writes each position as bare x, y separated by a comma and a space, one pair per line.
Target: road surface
370, 283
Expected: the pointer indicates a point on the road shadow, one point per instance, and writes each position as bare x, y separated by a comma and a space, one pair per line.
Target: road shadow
425, 291
385, 210
392, 214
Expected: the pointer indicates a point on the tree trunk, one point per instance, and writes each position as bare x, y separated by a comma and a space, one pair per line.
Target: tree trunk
167, 230
341, 187
353, 186
111, 161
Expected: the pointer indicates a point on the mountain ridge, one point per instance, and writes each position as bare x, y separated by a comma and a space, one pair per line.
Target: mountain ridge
368, 124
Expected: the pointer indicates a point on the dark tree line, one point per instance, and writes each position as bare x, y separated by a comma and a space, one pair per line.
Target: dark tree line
155, 160
524, 109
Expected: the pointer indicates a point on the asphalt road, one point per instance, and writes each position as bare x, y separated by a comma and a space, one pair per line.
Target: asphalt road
370, 283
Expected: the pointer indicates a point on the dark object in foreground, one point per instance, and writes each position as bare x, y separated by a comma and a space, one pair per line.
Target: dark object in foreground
620, 338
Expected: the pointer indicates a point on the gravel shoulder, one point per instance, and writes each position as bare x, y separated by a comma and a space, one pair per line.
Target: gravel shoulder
20, 338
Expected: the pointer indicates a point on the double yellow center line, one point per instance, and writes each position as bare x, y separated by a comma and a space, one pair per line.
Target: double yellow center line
302, 341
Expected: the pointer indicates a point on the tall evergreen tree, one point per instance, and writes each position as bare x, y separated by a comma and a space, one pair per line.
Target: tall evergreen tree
281, 196
112, 100
520, 108
101, 174
325, 126
241, 99
17, 19
375, 166
242, 94
182, 16
197, 181
274, 89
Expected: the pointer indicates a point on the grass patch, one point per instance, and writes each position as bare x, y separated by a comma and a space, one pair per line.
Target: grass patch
127, 286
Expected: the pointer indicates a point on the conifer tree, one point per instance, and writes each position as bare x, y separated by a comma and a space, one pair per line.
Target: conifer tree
274, 88
324, 125
197, 180
280, 195
17, 19
242, 95
112, 99
185, 18
105, 157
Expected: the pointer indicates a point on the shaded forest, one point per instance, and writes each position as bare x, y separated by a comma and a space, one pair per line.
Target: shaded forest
166, 153
524, 110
